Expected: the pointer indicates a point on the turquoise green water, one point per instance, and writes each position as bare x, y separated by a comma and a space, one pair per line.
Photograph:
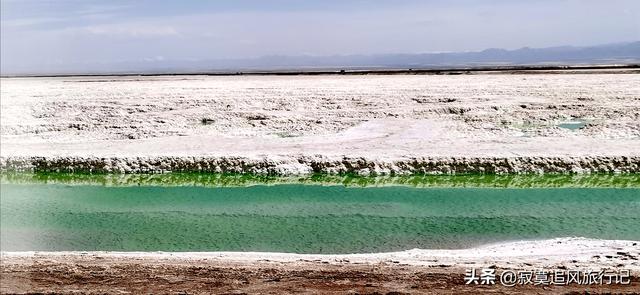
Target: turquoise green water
304, 218
573, 125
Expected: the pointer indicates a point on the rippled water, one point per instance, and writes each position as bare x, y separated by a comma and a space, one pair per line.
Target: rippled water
304, 218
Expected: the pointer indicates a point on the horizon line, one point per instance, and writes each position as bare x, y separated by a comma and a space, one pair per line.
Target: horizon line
512, 68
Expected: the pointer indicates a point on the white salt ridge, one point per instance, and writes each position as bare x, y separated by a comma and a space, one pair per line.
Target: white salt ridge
320, 164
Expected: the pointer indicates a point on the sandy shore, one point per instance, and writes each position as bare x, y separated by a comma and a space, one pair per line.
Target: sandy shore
394, 124
412, 271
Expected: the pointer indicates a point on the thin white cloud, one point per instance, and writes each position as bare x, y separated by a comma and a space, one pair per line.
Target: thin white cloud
131, 30
100, 9
18, 17
31, 21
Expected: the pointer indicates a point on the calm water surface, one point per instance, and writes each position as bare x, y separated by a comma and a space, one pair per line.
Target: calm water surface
304, 218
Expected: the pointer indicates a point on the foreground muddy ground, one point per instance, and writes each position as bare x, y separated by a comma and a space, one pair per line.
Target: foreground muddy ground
407, 272
109, 275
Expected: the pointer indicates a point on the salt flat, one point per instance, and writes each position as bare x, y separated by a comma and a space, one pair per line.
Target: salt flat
376, 124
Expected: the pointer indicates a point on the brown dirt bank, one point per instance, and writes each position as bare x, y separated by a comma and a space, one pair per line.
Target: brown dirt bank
90, 275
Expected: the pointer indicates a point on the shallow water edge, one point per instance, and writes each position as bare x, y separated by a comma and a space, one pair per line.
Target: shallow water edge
628, 180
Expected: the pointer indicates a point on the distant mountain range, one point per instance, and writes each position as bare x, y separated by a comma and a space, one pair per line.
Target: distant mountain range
566, 55
618, 53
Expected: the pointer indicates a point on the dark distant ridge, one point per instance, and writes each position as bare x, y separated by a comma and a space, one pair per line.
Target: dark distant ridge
535, 58
566, 55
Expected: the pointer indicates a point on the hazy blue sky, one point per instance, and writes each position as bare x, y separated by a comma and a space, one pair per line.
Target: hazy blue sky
42, 32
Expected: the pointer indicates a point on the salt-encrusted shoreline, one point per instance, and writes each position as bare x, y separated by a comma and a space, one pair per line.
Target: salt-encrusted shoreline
330, 165
574, 253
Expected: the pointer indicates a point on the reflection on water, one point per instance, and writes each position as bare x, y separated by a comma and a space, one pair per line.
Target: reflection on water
39, 215
231, 180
